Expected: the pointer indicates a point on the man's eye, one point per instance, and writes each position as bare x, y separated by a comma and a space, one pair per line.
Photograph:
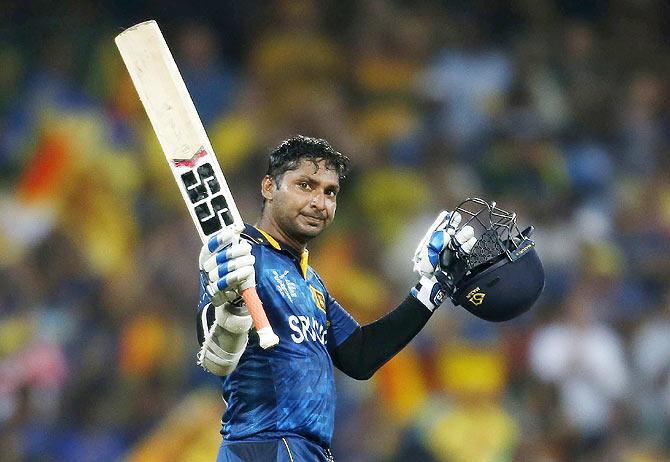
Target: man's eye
331, 193
303, 185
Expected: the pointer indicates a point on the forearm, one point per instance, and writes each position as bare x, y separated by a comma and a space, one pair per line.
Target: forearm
226, 267
372, 345
223, 336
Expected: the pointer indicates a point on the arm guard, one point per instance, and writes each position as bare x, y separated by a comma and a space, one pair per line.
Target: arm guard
225, 339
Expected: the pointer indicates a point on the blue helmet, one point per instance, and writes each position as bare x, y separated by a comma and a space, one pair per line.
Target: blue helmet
502, 276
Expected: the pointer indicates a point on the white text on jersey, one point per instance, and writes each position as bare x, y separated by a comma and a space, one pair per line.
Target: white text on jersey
306, 328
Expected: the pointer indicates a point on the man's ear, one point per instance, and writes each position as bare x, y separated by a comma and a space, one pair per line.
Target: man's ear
268, 187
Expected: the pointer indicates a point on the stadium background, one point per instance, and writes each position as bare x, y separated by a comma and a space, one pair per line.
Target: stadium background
558, 110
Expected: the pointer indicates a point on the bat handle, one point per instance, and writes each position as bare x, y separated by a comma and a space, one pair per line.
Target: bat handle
267, 337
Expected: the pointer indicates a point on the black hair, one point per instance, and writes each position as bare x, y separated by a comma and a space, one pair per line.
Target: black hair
288, 155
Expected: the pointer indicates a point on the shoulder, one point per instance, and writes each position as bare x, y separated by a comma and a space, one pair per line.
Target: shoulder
317, 278
258, 245
251, 235
267, 252
317, 282
257, 237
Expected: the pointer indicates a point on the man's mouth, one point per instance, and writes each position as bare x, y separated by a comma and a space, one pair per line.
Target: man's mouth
314, 218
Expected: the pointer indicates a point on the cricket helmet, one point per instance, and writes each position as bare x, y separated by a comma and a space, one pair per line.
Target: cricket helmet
502, 276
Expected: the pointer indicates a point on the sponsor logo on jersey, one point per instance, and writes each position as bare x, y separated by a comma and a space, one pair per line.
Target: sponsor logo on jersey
319, 298
475, 296
306, 329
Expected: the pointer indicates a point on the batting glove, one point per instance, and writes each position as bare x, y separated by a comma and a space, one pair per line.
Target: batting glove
443, 236
229, 265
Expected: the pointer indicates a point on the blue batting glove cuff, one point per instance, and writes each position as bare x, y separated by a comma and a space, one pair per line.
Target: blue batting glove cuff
429, 292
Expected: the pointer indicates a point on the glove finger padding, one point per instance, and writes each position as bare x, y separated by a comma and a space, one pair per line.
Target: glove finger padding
219, 241
463, 240
433, 242
440, 222
442, 242
233, 279
225, 255
452, 220
229, 266
442, 235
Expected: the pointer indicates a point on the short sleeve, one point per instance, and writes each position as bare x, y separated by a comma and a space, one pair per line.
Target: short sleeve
341, 323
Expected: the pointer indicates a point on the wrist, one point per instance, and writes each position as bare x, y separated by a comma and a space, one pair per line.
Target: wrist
429, 292
238, 307
234, 319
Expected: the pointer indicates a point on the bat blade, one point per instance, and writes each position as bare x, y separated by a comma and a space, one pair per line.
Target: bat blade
178, 128
162, 90
185, 143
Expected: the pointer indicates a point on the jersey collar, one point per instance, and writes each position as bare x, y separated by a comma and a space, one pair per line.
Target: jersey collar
261, 237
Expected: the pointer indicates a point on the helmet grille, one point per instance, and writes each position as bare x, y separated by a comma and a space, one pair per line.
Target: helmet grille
496, 231
487, 248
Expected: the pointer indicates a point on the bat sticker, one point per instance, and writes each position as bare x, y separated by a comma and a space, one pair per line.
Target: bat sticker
193, 160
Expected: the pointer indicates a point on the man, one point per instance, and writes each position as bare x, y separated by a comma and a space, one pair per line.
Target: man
281, 401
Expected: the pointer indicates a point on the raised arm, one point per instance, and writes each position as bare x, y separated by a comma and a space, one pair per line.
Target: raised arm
369, 347
226, 267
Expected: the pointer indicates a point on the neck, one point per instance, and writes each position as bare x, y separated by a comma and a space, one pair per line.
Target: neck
270, 226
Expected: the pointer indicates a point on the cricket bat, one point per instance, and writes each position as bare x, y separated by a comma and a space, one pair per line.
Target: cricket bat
186, 145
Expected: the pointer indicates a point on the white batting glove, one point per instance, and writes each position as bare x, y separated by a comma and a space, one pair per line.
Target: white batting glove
443, 236
226, 339
229, 266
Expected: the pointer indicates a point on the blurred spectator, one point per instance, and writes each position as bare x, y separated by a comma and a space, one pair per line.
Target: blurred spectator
585, 360
468, 80
643, 128
651, 361
558, 111
588, 78
212, 83
470, 424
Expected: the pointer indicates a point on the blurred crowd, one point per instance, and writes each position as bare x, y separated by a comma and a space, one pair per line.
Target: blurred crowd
558, 110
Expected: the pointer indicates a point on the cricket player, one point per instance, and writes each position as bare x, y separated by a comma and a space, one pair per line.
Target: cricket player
281, 401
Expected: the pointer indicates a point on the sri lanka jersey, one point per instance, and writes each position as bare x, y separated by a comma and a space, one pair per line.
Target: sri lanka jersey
289, 389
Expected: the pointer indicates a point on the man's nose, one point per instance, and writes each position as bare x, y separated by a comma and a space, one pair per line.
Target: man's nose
319, 200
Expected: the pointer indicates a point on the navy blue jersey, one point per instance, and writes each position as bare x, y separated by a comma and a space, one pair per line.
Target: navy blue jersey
289, 389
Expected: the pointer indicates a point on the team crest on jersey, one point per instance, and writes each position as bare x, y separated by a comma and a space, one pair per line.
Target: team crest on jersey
319, 298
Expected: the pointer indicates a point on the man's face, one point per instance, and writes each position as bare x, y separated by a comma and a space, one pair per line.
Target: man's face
302, 203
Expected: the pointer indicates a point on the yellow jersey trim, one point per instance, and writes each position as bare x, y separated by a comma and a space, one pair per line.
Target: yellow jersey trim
304, 257
273, 242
